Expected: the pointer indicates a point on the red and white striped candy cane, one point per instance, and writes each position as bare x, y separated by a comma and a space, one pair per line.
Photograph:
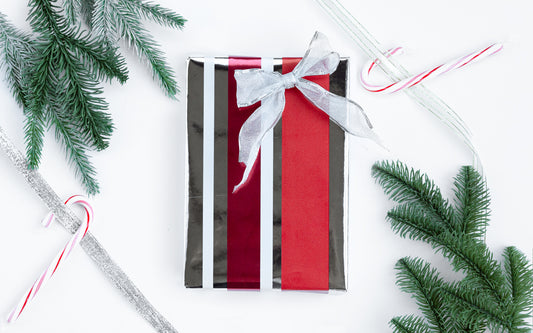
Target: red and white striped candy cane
416, 79
61, 256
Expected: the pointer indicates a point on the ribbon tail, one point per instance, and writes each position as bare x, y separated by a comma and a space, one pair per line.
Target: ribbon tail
349, 115
254, 129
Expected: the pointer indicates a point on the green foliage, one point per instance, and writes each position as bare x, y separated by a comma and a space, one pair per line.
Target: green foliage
55, 73
112, 20
491, 295
409, 324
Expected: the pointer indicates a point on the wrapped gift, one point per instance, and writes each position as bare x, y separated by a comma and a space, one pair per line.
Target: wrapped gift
285, 225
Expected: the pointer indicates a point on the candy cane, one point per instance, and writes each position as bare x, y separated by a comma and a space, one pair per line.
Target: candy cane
61, 257
416, 79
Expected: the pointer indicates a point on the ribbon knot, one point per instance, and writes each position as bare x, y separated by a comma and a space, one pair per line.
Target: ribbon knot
254, 85
289, 80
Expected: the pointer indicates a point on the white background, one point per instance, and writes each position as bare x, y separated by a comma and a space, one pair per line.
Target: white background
139, 213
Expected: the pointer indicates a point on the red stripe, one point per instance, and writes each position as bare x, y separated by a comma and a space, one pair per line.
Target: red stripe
25, 301
59, 260
428, 74
243, 206
477, 55
305, 190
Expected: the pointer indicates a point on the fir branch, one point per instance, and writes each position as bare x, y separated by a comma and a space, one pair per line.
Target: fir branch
81, 98
75, 149
40, 88
103, 60
71, 9
44, 17
104, 21
409, 324
519, 281
78, 91
410, 187
116, 19
15, 50
471, 202
465, 255
408, 221
407, 186
33, 136
468, 304
146, 47
421, 280
154, 12
488, 296
55, 73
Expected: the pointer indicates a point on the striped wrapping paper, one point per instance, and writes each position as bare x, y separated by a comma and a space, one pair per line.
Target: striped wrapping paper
286, 228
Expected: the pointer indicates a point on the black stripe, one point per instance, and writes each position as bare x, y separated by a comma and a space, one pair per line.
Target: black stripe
276, 264
195, 129
337, 280
220, 266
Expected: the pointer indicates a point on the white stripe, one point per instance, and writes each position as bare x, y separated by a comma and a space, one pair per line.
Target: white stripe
209, 160
267, 198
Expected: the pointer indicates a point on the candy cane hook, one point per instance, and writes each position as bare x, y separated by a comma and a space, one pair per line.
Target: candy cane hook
434, 72
61, 256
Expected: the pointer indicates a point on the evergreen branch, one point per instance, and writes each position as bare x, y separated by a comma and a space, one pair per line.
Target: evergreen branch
154, 12
33, 135
519, 281
409, 324
467, 255
488, 295
421, 280
416, 189
104, 60
104, 21
407, 186
408, 221
81, 98
15, 49
66, 72
40, 88
471, 202
77, 88
469, 305
147, 48
75, 149
71, 9
44, 17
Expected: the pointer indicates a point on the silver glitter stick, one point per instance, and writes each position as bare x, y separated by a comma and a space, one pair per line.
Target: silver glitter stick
89, 243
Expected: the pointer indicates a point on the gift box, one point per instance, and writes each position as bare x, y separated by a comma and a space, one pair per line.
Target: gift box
286, 227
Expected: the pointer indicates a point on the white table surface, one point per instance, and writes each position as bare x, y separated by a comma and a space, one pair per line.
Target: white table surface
139, 213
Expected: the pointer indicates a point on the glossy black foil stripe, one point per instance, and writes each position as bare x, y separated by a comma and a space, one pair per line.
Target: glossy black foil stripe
337, 278
220, 267
276, 264
195, 125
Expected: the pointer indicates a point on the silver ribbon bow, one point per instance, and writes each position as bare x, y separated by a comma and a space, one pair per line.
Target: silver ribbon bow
254, 85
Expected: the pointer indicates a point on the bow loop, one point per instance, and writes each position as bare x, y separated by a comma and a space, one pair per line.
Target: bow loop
254, 85
319, 58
